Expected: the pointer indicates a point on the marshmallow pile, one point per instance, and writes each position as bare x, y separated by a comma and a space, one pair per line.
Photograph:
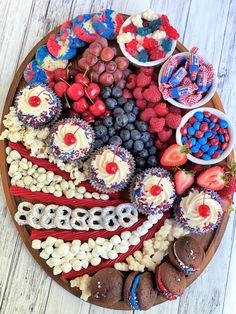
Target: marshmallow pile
25, 174
154, 249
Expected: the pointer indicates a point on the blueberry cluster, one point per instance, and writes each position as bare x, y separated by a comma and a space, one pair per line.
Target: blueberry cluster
123, 127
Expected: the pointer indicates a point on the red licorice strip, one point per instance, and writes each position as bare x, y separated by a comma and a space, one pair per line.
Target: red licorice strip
121, 257
82, 235
62, 200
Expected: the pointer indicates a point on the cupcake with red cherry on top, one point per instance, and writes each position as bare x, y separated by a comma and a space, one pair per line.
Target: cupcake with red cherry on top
71, 139
37, 106
199, 211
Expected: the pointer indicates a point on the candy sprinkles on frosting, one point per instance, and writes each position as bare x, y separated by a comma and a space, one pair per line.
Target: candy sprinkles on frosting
167, 294
187, 269
132, 294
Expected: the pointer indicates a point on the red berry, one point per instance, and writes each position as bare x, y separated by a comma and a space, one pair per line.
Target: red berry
87, 116
127, 94
92, 90
161, 109
157, 124
131, 81
155, 190
173, 120
60, 88
151, 104
199, 134
198, 154
98, 108
160, 145
192, 120
147, 114
175, 110
80, 105
75, 91
112, 167
82, 79
147, 70
61, 74
69, 139
204, 210
138, 93
34, 101
143, 80
204, 126
141, 104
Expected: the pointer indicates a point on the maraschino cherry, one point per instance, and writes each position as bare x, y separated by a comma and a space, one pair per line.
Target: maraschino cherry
34, 101
155, 190
111, 167
69, 139
204, 210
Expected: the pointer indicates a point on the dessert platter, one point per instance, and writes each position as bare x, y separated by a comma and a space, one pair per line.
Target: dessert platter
117, 161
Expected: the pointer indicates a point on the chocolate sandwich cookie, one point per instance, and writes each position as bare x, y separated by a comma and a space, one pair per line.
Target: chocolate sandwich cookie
139, 291
170, 282
187, 255
107, 286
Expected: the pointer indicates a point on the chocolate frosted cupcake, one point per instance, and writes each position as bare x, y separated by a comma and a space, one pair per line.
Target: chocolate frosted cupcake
199, 211
187, 255
153, 191
110, 169
37, 106
71, 139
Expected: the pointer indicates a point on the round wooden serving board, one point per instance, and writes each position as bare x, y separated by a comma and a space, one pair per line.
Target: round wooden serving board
210, 241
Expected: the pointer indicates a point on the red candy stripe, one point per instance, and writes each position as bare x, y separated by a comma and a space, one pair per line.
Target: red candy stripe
62, 200
121, 257
82, 235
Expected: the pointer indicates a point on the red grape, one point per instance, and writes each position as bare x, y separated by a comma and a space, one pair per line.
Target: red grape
91, 59
99, 67
111, 67
107, 54
126, 73
94, 76
121, 84
118, 75
106, 79
122, 63
115, 51
83, 64
102, 41
95, 48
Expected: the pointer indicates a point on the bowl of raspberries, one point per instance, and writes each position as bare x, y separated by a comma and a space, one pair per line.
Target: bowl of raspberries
147, 39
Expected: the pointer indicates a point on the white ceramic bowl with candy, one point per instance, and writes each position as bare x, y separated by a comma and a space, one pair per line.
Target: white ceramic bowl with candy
136, 62
221, 116
206, 96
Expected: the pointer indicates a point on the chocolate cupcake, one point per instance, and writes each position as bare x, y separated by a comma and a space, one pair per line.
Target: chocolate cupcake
187, 255
139, 291
107, 286
170, 282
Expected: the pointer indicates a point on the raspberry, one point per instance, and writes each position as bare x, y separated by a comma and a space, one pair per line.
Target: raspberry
130, 28
157, 54
174, 109
150, 43
154, 77
152, 94
165, 134
132, 46
127, 94
160, 145
138, 93
147, 114
161, 109
131, 81
143, 80
147, 70
157, 124
141, 104
151, 104
173, 120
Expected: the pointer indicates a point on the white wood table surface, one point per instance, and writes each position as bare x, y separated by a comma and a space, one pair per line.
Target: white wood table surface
208, 24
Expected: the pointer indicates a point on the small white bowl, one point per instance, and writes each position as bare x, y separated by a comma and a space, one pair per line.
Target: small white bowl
143, 64
219, 114
207, 97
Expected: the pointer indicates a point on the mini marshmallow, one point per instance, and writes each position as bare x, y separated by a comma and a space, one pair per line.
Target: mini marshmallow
134, 240
63, 249
48, 250
125, 235
56, 261
115, 240
91, 243
44, 255
104, 197
142, 230
95, 261
76, 265
51, 240
84, 264
100, 241
87, 195
85, 247
81, 255
112, 254
96, 195
57, 270
36, 244
74, 248
49, 262
81, 189
66, 267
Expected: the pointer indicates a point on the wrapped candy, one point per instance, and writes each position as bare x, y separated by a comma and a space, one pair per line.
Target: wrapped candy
177, 77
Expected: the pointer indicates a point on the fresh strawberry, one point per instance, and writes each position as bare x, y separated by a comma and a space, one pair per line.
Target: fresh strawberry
161, 109
173, 120
143, 80
157, 124
165, 134
230, 186
227, 203
183, 180
194, 167
174, 155
152, 94
212, 178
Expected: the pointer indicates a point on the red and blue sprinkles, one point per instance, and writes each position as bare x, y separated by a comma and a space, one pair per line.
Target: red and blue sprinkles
132, 294
187, 269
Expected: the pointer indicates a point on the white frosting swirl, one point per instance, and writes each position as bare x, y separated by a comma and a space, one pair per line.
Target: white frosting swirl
190, 204
82, 141
167, 190
100, 162
45, 97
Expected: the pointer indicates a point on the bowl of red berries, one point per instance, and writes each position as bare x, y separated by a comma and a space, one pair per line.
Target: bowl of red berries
147, 39
208, 133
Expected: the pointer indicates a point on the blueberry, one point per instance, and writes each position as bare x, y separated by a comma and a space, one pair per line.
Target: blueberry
116, 92
100, 131
206, 157
184, 139
125, 135
106, 92
145, 136
140, 162
131, 117
129, 144
141, 126
122, 101
115, 140
205, 148
144, 153
128, 107
152, 150
212, 125
149, 143
191, 130
195, 149
111, 131
199, 115
135, 110
196, 125
138, 146
98, 143
122, 120
193, 140
117, 126
118, 111
105, 139
202, 141
135, 135
108, 121
223, 124
130, 126
111, 103
98, 122
221, 138
152, 161
207, 134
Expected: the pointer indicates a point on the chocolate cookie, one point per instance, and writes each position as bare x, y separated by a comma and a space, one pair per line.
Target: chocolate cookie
170, 282
139, 291
187, 255
107, 286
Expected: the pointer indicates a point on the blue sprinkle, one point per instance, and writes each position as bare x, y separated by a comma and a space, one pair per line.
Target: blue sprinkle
207, 120
193, 140
195, 149
202, 141
221, 138
212, 125
191, 130
207, 134
196, 125
223, 124
206, 157
205, 148
199, 115
184, 139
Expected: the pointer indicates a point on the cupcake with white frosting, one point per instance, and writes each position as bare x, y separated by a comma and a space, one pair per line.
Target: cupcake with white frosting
37, 106
199, 211
153, 191
71, 139
111, 168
